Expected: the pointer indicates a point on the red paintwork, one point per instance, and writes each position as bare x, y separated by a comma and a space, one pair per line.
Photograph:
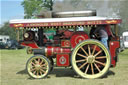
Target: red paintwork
62, 53
113, 46
30, 44
108, 29
66, 33
50, 51
62, 59
78, 37
65, 43
75, 23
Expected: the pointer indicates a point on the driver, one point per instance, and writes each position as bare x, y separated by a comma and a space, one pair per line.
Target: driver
101, 32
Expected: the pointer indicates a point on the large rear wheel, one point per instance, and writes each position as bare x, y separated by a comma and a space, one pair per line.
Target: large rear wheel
91, 59
38, 66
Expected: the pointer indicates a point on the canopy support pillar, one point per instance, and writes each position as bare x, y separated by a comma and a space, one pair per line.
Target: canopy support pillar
40, 37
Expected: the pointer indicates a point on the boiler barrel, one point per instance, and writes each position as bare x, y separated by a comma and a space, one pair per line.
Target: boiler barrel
50, 51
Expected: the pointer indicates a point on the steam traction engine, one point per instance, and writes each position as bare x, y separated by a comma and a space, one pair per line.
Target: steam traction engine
70, 46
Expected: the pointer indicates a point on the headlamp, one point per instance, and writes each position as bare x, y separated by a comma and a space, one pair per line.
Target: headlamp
26, 35
29, 35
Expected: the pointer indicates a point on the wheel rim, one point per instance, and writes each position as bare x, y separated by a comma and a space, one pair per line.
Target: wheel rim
38, 67
90, 59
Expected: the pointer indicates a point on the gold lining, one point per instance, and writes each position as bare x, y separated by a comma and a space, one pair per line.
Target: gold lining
52, 50
61, 50
46, 54
64, 43
54, 27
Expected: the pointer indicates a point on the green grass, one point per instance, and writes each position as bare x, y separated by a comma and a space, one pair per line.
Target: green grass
13, 72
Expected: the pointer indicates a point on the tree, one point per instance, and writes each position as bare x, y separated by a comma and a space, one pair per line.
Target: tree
33, 7
7, 30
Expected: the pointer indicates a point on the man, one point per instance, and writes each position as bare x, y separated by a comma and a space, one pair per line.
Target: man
102, 33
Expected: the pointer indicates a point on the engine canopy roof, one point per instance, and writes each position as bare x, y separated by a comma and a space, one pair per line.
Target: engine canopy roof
70, 21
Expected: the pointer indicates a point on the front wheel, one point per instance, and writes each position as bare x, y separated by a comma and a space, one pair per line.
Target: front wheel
91, 59
38, 66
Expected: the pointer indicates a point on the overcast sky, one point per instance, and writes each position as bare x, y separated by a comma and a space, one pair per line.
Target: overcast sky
11, 9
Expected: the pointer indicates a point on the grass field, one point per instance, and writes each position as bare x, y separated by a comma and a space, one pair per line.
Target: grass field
13, 62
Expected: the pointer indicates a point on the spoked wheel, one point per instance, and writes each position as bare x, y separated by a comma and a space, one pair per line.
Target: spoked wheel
91, 59
38, 66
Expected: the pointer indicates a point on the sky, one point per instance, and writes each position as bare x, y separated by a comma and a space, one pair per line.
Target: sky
10, 9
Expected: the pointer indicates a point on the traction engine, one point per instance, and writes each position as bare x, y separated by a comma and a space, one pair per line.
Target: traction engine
70, 46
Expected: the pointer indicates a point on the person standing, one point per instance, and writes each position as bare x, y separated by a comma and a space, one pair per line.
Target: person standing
102, 33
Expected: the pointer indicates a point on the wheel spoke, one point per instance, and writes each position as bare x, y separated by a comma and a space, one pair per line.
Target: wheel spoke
40, 73
94, 50
82, 65
92, 68
80, 60
39, 60
97, 67
101, 57
33, 69
42, 70
34, 72
33, 66
42, 65
87, 69
81, 55
98, 53
84, 51
35, 60
89, 51
100, 63
33, 63
37, 73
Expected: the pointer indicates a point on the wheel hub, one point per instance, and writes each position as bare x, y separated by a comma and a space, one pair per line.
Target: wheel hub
37, 67
91, 59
